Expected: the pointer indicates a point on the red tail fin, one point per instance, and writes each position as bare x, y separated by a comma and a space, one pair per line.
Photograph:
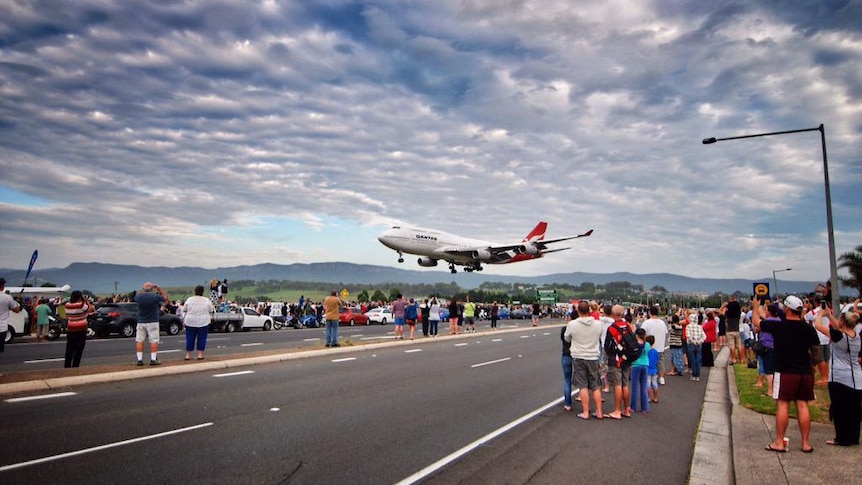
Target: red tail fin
538, 232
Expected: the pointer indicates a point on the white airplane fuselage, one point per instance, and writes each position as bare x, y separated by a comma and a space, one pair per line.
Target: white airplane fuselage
438, 245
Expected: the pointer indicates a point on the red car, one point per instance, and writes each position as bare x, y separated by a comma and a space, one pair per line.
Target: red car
351, 316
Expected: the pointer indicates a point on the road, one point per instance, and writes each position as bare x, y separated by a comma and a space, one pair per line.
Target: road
360, 416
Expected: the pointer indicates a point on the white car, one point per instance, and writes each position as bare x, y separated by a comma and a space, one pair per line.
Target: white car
381, 315
252, 319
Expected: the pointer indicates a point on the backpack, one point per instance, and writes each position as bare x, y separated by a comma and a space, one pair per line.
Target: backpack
628, 349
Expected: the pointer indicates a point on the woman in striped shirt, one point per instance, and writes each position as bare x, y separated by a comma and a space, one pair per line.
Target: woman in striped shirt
77, 310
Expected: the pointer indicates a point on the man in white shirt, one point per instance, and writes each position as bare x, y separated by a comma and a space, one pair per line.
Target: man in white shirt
658, 329
7, 303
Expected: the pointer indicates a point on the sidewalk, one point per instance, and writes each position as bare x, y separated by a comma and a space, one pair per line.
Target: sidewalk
753, 465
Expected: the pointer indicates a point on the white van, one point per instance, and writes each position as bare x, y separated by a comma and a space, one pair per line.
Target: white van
18, 321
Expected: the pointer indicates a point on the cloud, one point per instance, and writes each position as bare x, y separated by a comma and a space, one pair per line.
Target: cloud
192, 133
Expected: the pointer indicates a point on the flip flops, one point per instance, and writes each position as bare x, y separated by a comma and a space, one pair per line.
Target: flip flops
769, 447
809, 450
608, 416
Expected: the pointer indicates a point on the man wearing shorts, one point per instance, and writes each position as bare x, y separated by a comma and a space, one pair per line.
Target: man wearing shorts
585, 333
149, 307
398, 308
732, 314
794, 379
618, 369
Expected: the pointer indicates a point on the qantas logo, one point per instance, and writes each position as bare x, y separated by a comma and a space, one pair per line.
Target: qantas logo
428, 238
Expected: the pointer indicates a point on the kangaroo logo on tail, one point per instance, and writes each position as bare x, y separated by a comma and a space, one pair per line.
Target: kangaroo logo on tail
537, 234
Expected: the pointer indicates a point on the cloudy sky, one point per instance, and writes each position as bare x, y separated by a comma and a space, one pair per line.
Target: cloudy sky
219, 133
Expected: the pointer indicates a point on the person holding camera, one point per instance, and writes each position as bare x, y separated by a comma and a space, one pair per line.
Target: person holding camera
149, 308
794, 379
77, 309
845, 373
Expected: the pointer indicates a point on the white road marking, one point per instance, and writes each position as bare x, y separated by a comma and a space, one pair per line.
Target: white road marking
491, 362
378, 338
461, 344
346, 359
100, 448
525, 336
412, 350
251, 345
39, 361
546, 333
231, 374
497, 340
311, 339
44, 396
169, 351
439, 464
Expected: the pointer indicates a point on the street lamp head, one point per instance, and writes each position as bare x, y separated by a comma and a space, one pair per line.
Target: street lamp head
709, 141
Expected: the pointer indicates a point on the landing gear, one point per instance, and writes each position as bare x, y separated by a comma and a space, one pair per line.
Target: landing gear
452, 268
474, 267
400, 257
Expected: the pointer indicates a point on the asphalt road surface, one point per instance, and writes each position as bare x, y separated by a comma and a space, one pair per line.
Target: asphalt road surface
368, 416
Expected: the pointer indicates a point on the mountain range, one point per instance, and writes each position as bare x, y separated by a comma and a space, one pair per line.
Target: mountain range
105, 278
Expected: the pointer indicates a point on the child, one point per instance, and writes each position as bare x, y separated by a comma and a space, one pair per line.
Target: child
640, 398
675, 341
652, 370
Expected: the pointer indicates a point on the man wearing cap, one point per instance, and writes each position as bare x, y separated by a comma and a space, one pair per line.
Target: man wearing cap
149, 307
794, 379
7, 303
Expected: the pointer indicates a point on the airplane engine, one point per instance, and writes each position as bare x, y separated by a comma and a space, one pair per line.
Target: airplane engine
427, 262
482, 255
527, 249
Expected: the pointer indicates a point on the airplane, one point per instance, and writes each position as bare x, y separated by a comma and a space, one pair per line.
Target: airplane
432, 245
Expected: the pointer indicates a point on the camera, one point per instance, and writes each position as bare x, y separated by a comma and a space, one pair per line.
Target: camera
823, 304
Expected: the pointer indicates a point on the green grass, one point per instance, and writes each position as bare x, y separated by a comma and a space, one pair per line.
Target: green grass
753, 397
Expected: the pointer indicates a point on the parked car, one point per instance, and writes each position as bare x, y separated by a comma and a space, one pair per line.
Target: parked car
381, 315
253, 319
521, 314
351, 316
122, 318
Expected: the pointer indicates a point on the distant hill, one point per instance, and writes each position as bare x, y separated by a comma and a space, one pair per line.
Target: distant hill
101, 278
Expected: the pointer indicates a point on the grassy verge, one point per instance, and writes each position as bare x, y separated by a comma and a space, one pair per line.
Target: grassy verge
753, 397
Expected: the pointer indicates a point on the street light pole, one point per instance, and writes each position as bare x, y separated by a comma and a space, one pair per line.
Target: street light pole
833, 265
775, 280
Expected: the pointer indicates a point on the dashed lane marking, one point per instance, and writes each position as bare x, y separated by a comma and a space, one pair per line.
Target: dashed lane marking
232, 374
43, 396
490, 362
100, 448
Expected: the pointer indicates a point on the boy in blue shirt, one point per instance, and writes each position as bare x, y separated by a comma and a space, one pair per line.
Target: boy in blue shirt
652, 370
640, 367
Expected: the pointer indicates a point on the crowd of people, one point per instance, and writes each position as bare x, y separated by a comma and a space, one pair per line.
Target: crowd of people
611, 349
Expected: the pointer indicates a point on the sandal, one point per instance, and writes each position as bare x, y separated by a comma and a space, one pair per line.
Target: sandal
769, 447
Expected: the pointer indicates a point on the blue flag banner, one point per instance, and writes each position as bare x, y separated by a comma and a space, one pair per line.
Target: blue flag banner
32, 262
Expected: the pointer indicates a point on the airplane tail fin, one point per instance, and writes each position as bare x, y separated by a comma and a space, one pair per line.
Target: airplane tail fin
538, 232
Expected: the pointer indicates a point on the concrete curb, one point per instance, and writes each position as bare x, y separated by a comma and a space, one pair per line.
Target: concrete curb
712, 462
61, 382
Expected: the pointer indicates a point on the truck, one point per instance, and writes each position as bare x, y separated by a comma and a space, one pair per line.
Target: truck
237, 318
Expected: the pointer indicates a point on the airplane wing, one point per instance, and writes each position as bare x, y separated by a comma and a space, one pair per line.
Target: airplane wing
541, 245
492, 254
